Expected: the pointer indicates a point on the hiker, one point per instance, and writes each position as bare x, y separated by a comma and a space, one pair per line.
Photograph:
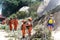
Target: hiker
23, 28
29, 26
51, 22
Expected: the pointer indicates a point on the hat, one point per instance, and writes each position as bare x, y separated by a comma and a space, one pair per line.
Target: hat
30, 19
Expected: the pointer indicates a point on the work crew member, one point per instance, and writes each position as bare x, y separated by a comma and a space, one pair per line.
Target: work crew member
15, 23
10, 24
23, 28
29, 26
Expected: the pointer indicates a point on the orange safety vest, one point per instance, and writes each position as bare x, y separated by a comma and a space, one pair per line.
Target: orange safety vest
23, 26
15, 21
10, 24
10, 21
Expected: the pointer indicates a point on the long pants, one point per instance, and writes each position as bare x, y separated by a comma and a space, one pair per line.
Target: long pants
29, 30
23, 32
15, 27
10, 27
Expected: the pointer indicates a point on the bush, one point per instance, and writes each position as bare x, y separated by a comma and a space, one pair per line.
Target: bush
21, 14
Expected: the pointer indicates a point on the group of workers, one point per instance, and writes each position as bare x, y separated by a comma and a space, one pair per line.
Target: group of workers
26, 25
13, 23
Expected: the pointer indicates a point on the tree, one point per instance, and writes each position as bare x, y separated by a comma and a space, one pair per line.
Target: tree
33, 8
13, 6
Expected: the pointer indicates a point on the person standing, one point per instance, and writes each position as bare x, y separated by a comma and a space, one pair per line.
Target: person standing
29, 26
23, 28
10, 24
15, 23
51, 22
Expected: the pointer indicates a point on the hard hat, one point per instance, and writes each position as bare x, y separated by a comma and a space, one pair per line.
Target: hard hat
30, 19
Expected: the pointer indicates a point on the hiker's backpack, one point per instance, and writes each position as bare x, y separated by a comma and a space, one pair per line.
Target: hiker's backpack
50, 21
